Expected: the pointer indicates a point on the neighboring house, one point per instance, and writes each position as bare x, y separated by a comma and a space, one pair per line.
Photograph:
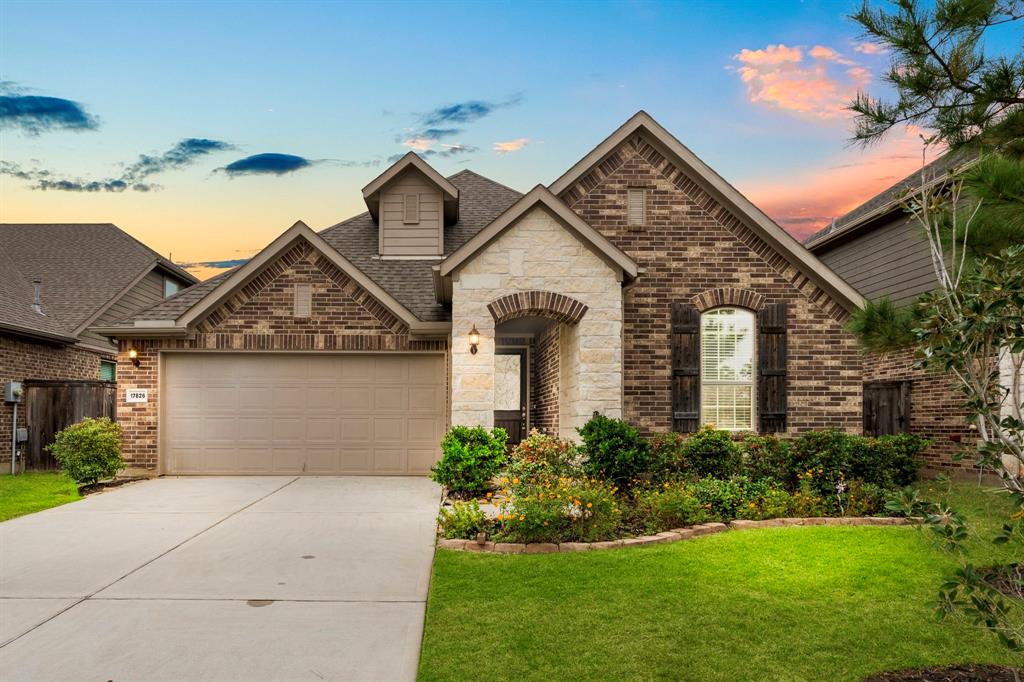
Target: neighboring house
56, 282
880, 249
639, 284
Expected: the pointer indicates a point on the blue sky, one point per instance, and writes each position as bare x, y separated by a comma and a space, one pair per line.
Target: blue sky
344, 87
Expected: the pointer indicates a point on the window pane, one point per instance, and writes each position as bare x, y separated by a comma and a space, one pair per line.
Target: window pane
170, 287
108, 370
727, 406
727, 345
507, 382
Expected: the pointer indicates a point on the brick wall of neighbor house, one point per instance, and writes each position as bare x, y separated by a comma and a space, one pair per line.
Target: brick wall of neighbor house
22, 359
544, 391
259, 317
689, 245
935, 407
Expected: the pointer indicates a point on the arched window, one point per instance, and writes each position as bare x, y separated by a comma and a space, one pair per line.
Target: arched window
727, 368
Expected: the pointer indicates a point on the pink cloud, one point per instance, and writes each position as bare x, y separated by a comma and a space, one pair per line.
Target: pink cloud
806, 201
418, 143
816, 85
511, 145
870, 48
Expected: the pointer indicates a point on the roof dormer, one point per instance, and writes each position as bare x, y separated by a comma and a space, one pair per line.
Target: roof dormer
411, 204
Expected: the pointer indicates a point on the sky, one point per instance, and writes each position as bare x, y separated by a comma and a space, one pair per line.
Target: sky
207, 129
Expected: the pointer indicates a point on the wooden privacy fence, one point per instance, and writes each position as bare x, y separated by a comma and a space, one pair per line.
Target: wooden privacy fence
52, 405
886, 408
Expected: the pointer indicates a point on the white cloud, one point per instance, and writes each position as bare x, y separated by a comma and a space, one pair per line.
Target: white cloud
511, 145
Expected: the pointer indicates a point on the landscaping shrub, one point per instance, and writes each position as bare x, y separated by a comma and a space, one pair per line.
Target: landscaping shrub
666, 456
670, 505
721, 498
904, 454
711, 452
560, 510
90, 450
861, 499
765, 500
470, 458
766, 457
820, 459
463, 520
614, 450
541, 455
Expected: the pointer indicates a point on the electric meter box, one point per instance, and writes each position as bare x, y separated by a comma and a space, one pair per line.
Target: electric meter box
13, 391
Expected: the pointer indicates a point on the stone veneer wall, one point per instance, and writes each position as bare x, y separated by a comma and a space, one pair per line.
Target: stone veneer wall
21, 359
539, 253
259, 317
689, 245
936, 410
545, 387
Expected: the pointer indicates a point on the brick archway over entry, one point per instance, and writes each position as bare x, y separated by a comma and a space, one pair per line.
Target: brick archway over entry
714, 298
537, 304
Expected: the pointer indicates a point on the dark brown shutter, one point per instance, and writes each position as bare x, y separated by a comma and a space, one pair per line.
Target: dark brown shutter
685, 368
771, 368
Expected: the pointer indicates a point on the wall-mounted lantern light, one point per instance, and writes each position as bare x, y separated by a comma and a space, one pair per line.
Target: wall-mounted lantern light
133, 355
474, 339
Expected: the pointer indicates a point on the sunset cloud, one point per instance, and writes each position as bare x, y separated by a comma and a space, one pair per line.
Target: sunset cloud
808, 201
869, 48
818, 84
511, 145
267, 164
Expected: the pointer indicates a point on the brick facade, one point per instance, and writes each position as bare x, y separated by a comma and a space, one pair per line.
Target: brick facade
22, 359
694, 250
936, 407
259, 317
544, 388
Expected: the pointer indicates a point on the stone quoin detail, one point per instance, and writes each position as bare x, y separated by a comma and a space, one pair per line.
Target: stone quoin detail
546, 304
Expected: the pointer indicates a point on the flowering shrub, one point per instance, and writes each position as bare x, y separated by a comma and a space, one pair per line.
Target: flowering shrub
711, 452
833, 455
615, 450
670, 505
470, 459
666, 456
560, 510
462, 520
768, 501
766, 457
540, 455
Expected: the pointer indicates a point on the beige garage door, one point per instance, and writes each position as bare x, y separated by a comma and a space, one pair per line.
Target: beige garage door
302, 414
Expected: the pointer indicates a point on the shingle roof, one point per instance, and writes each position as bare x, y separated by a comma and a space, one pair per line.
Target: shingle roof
889, 197
481, 200
81, 268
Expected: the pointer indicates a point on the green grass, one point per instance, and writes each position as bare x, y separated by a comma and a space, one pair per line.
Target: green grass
34, 491
811, 603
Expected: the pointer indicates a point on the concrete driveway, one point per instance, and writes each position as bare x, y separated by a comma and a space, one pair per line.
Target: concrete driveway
245, 578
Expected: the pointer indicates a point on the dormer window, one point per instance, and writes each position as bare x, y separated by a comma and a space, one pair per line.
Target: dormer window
412, 209
412, 204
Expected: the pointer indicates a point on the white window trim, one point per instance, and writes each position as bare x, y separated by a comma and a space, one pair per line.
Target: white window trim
752, 382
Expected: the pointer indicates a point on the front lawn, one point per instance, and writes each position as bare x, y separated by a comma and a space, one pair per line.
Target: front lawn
807, 603
34, 491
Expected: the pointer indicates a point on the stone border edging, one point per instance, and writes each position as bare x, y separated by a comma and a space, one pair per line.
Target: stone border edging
674, 535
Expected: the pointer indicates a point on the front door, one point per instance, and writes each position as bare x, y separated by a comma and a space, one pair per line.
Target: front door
510, 389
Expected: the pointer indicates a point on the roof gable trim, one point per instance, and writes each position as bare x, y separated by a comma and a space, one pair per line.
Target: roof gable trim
541, 196
780, 240
297, 231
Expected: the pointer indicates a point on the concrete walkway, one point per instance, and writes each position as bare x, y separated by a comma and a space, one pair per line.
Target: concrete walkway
261, 578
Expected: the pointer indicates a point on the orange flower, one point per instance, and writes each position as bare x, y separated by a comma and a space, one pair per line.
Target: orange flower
589, 505
522, 518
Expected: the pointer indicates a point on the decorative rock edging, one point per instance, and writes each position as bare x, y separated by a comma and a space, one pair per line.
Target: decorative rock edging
674, 535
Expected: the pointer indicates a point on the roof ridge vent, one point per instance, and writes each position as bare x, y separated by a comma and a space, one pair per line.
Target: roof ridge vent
37, 296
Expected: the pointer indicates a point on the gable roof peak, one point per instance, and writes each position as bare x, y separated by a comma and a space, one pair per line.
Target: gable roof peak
371, 193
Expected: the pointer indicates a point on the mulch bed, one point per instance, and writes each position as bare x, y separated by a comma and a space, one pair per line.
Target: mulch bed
950, 673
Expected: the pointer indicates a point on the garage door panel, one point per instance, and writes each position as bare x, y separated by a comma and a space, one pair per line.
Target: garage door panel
355, 399
389, 429
390, 399
389, 461
265, 413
